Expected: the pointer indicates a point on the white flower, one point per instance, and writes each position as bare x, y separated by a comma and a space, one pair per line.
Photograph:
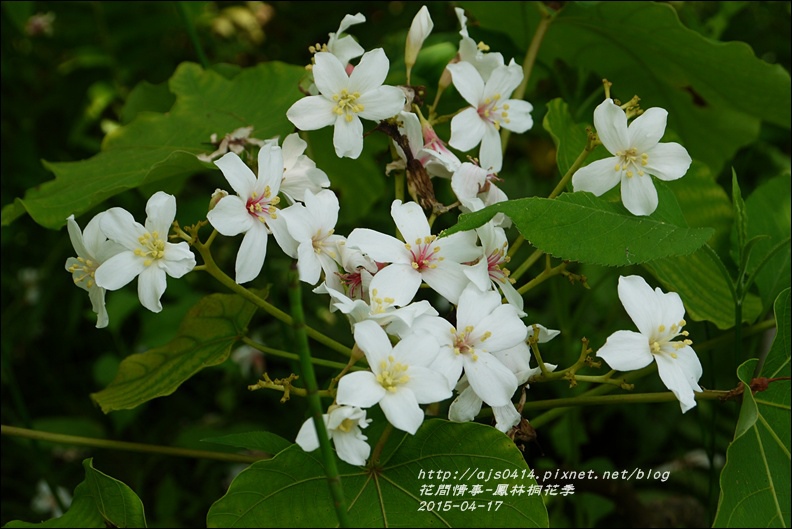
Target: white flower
358, 270
423, 257
491, 109
400, 379
468, 404
490, 271
147, 253
420, 28
659, 318
253, 210
343, 425
344, 99
474, 187
93, 248
299, 172
312, 226
636, 155
484, 326
44, 502
433, 155
234, 141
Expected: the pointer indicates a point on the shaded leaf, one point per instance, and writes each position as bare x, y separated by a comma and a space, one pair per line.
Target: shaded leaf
755, 483
99, 501
159, 147
204, 339
262, 441
291, 489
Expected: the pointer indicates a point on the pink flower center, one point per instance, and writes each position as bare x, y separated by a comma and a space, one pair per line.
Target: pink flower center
424, 253
262, 207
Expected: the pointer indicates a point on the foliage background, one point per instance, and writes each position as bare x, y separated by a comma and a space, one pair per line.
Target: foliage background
61, 93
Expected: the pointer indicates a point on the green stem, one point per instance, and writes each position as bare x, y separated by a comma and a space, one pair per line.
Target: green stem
212, 269
375, 454
291, 356
527, 66
126, 446
188, 23
315, 403
546, 274
528, 263
572, 170
627, 398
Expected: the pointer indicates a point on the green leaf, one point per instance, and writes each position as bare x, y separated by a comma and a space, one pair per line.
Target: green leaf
204, 339
99, 501
147, 97
740, 219
755, 482
262, 441
162, 147
570, 138
582, 227
291, 489
716, 93
768, 210
705, 291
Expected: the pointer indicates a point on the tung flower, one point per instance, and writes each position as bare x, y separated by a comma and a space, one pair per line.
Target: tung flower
399, 380
344, 99
93, 248
636, 155
659, 318
253, 210
343, 425
490, 110
147, 255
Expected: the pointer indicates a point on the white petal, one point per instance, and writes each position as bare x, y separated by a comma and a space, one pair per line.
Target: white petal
428, 385
506, 327
237, 173
160, 212
308, 264
346, 48
611, 124
381, 103
97, 296
467, 130
512, 296
151, 285
351, 448
270, 169
119, 270
506, 417
491, 152
298, 222
379, 246
641, 303
468, 180
478, 274
517, 358
465, 407
459, 247
312, 113
251, 255
520, 118
373, 341
468, 82
680, 375
280, 231
626, 351
492, 381
229, 216
475, 305
398, 282
448, 280
306, 437
119, 225
370, 72
402, 410
359, 389
411, 221
178, 260
348, 137
329, 74
647, 129
668, 161
598, 177
76, 237
639, 194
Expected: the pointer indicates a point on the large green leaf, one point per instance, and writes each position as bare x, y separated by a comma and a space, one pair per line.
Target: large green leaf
100, 501
698, 280
768, 212
755, 483
158, 147
716, 93
291, 489
204, 339
582, 227
262, 441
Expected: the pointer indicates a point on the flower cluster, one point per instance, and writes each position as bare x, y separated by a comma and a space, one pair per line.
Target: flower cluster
396, 290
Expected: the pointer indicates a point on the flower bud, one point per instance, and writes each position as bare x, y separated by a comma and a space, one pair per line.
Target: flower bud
420, 29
